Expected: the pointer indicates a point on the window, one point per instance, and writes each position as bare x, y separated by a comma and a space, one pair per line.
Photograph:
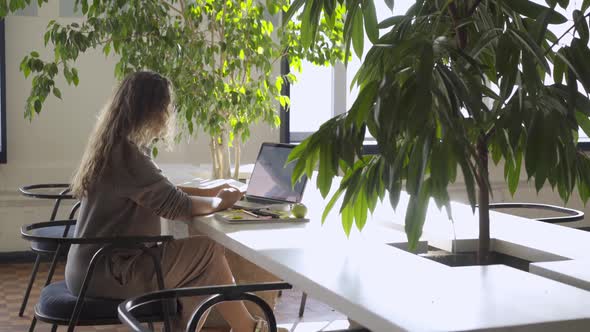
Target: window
2, 96
323, 92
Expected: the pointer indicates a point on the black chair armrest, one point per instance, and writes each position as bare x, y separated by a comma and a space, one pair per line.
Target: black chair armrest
74, 209
64, 194
26, 233
219, 294
571, 215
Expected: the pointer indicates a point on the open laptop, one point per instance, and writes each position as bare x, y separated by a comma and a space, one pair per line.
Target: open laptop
270, 182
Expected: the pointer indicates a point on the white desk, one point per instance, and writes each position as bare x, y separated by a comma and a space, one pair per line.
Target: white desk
387, 289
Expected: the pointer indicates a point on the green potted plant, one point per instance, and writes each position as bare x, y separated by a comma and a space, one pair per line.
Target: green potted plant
447, 86
221, 56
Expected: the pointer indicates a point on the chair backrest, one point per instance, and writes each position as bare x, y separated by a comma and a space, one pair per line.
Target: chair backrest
109, 244
64, 194
217, 294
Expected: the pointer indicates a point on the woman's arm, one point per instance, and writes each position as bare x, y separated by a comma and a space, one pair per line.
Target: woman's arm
203, 192
224, 199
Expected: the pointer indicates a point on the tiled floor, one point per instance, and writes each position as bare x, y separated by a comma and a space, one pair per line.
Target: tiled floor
14, 277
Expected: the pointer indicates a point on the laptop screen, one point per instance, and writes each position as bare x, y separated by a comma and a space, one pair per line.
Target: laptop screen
271, 178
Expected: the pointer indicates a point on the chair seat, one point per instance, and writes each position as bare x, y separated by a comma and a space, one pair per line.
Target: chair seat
57, 303
55, 231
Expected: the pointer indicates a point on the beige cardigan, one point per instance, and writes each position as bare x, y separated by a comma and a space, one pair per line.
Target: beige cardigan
128, 200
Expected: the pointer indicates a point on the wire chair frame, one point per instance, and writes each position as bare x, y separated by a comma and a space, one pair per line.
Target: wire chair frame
109, 244
217, 294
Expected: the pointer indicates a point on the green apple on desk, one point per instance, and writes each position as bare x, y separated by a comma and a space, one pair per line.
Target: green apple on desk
299, 210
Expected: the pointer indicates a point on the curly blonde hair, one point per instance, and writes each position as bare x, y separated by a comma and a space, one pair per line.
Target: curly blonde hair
139, 111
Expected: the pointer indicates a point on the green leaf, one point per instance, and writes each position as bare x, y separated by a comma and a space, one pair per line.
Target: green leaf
469, 177
360, 209
391, 21
563, 3
37, 106
293, 8
559, 68
514, 175
358, 36
57, 93
417, 165
330, 204
533, 48
75, 78
326, 173
581, 25
583, 122
370, 17
298, 150
390, 4
533, 10
347, 219
329, 7
416, 215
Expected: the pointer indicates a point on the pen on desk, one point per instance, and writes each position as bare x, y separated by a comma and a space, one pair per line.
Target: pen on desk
250, 213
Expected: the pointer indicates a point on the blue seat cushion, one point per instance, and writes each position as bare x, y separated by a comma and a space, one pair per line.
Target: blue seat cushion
57, 302
54, 232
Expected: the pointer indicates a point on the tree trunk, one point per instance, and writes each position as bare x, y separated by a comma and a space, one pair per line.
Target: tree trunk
483, 252
220, 155
237, 151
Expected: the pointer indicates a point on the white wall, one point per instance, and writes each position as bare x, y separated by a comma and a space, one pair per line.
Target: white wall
48, 148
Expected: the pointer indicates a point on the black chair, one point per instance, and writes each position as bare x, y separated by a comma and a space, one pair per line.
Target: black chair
58, 306
127, 309
47, 248
570, 215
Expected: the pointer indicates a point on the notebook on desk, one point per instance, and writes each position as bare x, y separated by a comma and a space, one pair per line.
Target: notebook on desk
241, 216
270, 182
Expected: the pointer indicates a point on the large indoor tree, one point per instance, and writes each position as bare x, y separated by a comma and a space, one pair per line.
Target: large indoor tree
222, 58
444, 88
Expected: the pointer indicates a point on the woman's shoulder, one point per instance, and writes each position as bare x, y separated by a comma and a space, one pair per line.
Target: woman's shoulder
129, 160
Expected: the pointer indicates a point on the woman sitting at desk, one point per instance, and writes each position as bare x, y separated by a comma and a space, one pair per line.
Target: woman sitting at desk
123, 193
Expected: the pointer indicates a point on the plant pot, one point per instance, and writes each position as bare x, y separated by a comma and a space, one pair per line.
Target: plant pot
470, 259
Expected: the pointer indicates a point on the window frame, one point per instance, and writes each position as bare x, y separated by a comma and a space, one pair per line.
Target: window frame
338, 106
3, 153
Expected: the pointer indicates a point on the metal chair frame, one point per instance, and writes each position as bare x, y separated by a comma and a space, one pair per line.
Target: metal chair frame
218, 294
108, 245
63, 195
571, 215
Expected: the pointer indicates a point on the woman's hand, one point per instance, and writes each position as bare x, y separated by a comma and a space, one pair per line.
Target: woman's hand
229, 196
211, 188
212, 199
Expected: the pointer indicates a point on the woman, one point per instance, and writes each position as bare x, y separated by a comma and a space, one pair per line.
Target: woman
123, 193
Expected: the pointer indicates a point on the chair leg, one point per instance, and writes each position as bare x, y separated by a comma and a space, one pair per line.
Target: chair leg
33, 323
53, 265
151, 326
31, 281
302, 305
54, 328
